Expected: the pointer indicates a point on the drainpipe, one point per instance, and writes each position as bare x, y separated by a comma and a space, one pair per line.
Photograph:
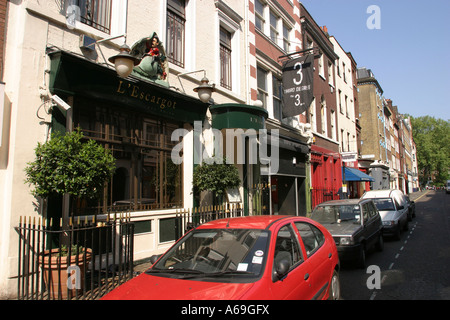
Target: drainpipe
248, 94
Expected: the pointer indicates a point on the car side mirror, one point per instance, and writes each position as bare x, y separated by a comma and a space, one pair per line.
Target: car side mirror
155, 258
401, 207
282, 267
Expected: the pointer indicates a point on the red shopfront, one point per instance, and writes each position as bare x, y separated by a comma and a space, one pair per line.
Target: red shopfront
326, 175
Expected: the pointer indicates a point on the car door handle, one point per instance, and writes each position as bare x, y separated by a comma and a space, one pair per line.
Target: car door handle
306, 276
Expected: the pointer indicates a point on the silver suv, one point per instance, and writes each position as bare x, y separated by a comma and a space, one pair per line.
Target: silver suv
393, 207
355, 225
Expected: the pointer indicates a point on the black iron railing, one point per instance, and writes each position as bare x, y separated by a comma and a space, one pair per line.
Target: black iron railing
321, 195
82, 260
188, 219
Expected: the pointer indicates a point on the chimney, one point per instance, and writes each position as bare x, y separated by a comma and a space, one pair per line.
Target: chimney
325, 29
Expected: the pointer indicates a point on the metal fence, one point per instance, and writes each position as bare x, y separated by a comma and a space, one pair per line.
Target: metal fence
83, 260
87, 258
187, 219
321, 195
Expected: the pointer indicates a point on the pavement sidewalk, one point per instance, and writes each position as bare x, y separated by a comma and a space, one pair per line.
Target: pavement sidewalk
415, 195
141, 265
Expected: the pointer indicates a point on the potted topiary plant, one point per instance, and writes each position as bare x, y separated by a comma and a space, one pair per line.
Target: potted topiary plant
58, 278
216, 176
67, 165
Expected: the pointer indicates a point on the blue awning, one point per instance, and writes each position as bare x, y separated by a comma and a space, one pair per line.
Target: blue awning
355, 175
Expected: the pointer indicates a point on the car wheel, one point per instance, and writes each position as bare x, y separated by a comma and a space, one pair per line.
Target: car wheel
335, 287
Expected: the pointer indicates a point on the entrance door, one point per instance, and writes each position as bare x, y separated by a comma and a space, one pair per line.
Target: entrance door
284, 195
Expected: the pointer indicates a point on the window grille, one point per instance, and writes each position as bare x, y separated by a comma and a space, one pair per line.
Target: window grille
176, 19
225, 59
94, 13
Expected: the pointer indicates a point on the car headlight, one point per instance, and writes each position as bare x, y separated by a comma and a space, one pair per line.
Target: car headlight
389, 223
345, 241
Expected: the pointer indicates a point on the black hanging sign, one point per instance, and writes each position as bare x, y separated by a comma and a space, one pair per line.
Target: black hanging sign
297, 85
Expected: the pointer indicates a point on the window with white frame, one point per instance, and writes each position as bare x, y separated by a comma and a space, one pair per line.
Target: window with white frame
338, 67
276, 92
94, 13
262, 86
321, 66
323, 115
175, 42
348, 141
333, 124
344, 72
286, 38
273, 27
330, 74
312, 115
101, 18
271, 22
228, 48
346, 106
225, 59
259, 15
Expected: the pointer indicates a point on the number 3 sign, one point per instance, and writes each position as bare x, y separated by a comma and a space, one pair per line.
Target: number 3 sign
297, 85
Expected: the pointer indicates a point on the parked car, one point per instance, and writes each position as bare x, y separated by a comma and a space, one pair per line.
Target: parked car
447, 186
256, 257
393, 210
355, 225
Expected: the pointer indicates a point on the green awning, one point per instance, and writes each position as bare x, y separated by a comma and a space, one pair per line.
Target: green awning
238, 116
72, 75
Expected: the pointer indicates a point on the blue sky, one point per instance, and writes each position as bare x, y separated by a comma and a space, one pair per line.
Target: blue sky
409, 54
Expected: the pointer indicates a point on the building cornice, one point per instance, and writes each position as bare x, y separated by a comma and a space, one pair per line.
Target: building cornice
370, 80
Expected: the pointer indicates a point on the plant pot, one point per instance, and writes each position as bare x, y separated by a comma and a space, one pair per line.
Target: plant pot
56, 275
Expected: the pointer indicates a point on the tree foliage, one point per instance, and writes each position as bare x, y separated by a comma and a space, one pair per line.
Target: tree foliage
216, 176
432, 138
66, 164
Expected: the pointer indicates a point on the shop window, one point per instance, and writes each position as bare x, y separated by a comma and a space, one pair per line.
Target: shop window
141, 227
145, 176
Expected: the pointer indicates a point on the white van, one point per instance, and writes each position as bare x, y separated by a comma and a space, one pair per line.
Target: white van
393, 207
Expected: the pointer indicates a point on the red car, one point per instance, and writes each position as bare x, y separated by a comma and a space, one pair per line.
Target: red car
256, 257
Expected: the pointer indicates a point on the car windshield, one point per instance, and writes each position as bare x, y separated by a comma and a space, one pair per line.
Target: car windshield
336, 213
384, 204
217, 253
